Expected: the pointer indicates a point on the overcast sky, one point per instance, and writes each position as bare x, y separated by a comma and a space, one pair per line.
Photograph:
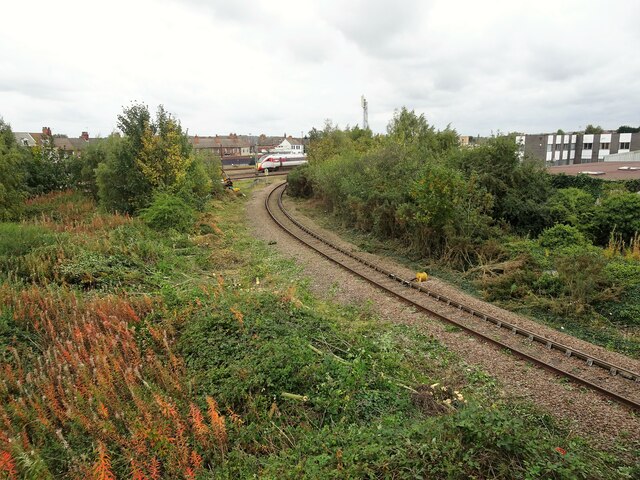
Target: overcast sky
272, 66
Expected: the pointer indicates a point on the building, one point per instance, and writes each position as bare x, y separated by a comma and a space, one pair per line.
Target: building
290, 144
577, 147
223, 146
66, 146
234, 145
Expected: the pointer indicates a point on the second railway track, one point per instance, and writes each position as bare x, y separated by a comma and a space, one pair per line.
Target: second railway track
616, 382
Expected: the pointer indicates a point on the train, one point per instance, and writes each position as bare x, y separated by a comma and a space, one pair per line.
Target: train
273, 161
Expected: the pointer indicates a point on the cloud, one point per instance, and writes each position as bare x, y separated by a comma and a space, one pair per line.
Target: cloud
271, 66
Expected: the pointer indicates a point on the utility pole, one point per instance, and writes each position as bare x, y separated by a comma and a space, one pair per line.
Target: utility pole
365, 113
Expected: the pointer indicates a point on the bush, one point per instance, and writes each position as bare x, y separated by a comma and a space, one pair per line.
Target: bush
582, 272
572, 206
197, 185
299, 182
12, 186
620, 213
121, 185
562, 236
169, 212
28, 252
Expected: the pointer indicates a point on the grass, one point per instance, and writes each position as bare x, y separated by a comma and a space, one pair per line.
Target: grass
160, 356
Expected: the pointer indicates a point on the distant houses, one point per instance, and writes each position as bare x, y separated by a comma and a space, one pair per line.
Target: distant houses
232, 145
66, 146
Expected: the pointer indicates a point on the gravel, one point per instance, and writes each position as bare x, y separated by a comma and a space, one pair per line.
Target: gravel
586, 412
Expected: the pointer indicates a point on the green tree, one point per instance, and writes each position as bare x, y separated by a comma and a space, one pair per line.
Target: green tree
153, 155
47, 169
447, 213
412, 131
618, 213
84, 168
627, 129
572, 206
121, 185
519, 189
164, 156
593, 129
12, 186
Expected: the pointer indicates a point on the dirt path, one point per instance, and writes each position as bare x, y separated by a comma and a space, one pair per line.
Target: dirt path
588, 413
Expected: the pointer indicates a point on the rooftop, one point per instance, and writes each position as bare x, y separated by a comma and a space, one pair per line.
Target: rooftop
604, 170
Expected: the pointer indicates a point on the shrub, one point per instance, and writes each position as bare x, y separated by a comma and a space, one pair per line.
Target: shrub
299, 182
121, 185
620, 213
196, 186
582, 272
169, 212
27, 252
562, 236
572, 206
12, 184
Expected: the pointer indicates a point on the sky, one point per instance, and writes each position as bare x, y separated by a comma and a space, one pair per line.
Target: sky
278, 66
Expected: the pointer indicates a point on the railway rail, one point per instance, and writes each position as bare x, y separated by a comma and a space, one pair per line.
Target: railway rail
543, 352
246, 176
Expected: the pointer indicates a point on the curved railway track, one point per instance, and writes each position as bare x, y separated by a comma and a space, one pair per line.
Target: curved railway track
614, 381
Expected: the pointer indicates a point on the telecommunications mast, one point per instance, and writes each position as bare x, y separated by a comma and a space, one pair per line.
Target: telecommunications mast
365, 113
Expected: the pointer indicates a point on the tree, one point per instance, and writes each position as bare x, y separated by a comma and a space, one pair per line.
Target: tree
12, 187
593, 129
519, 189
447, 213
618, 213
83, 168
121, 185
410, 130
46, 169
627, 129
572, 206
162, 159
154, 154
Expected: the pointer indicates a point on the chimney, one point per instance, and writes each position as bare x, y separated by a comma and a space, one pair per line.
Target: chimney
46, 131
85, 136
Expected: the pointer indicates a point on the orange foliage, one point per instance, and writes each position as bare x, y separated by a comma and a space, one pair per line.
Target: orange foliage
238, 315
92, 373
154, 469
199, 427
136, 471
102, 467
217, 424
8, 465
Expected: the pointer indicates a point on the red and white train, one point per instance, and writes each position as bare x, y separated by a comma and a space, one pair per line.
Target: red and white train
273, 161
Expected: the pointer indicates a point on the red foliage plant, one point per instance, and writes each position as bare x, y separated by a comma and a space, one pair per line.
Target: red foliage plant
91, 372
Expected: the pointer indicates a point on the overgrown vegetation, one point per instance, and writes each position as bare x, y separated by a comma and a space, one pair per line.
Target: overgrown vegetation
531, 241
171, 344
131, 353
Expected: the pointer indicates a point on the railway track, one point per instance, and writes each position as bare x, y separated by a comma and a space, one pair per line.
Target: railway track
615, 382
257, 175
